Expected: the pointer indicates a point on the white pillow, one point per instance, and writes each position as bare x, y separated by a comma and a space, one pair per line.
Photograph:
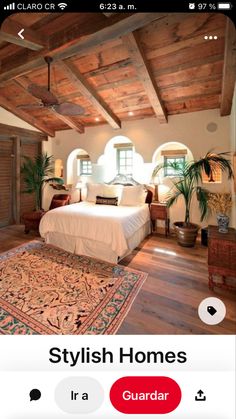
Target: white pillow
133, 195
94, 189
111, 191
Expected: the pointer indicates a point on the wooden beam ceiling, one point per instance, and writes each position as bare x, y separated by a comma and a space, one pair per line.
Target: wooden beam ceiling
24, 83
32, 39
82, 46
6, 104
145, 75
69, 121
78, 80
229, 70
164, 66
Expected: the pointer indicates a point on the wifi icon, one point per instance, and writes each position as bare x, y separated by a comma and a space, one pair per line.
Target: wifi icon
62, 6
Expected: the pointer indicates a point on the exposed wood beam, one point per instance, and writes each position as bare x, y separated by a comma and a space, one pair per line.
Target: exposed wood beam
69, 121
78, 80
32, 39
22, 133
229, 70
6, 104
108, 33
145, 75
82, 46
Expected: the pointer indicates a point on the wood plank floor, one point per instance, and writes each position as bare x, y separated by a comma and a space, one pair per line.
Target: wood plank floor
168, 301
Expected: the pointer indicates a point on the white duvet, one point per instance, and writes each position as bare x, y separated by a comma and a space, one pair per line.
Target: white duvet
112, 225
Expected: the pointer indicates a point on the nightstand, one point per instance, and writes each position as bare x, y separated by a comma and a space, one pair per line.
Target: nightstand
159, 211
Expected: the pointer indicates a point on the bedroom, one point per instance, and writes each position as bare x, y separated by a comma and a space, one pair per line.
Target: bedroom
150, 88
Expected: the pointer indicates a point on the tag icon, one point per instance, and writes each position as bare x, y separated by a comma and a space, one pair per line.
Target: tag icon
211, 310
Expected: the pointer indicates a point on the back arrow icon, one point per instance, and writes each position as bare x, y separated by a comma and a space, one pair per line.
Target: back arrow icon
20, 34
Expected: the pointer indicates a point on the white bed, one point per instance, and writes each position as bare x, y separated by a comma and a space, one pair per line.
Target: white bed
106, 232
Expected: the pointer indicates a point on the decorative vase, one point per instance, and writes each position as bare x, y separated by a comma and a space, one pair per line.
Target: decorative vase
223, 223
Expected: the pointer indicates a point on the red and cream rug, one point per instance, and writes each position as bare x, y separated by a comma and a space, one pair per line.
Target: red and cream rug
46, 290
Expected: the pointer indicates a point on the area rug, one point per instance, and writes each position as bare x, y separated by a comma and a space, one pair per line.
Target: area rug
46, 290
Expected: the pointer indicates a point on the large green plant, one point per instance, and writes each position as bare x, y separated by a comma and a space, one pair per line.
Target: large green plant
37, 173
188, 180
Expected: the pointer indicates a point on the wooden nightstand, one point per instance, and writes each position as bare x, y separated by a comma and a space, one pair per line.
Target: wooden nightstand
159, 211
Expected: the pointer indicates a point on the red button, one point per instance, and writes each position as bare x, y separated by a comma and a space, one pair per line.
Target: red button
153, 395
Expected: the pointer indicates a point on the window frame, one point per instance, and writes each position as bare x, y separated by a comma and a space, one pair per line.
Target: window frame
173, 158
88, 170
118, 160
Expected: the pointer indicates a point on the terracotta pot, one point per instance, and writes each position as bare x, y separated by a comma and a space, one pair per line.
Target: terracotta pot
186, 235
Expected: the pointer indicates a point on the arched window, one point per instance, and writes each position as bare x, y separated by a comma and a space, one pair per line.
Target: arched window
78, 164
120, 157
84, 165
173, 156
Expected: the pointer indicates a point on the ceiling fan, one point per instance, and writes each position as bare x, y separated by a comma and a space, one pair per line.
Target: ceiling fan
49, 100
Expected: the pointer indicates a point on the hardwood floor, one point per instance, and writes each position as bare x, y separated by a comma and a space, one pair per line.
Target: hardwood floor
168, 301
177, 283
13, 236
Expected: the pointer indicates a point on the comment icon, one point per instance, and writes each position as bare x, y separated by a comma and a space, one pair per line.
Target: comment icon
35, 394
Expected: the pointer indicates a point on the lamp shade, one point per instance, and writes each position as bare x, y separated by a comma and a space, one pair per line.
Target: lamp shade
79, 185
156, 180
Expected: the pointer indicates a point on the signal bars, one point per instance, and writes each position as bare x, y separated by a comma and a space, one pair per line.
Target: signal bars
11, 6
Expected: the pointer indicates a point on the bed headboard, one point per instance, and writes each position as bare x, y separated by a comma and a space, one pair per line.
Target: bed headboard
125, 180
129, 181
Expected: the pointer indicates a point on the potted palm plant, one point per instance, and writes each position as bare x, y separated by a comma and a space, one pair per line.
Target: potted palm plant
187, 183
37, 173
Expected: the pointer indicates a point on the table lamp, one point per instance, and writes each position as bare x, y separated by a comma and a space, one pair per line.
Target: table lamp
79, 186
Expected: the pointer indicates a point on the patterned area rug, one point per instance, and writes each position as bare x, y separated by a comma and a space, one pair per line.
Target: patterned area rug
45, 290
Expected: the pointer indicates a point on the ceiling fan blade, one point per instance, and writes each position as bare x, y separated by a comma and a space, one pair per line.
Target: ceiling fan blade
68, 108
31, 106
43, 93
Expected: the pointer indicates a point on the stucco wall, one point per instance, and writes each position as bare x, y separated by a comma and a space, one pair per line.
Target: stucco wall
147, 135
9, 119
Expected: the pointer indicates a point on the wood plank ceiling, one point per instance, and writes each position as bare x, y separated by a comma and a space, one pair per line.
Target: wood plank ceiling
119, 67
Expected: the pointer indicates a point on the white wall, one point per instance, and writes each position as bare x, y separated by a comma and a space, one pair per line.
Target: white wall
147, 135
9, 119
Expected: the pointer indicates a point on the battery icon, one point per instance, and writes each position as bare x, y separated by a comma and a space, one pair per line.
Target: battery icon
224, 6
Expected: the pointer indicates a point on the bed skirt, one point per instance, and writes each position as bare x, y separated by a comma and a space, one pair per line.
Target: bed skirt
96, 249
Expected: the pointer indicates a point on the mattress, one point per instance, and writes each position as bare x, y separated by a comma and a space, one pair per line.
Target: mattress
103, 231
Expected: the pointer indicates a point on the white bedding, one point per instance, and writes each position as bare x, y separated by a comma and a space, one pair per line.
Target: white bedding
111, 225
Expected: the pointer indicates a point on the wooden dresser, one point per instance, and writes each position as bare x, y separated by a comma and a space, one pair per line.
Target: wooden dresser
221, 257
